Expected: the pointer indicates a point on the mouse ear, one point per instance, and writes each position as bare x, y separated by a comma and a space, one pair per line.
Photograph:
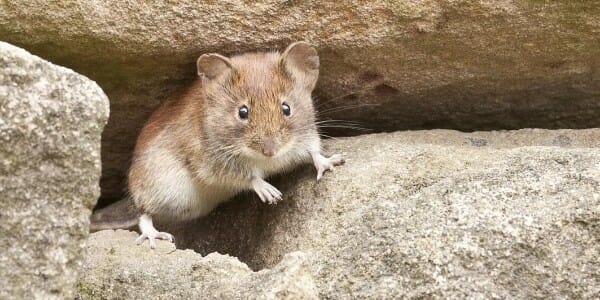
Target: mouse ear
302, 61
212, 65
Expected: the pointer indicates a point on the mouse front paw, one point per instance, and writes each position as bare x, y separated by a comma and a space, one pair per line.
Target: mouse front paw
266, 192
323, 163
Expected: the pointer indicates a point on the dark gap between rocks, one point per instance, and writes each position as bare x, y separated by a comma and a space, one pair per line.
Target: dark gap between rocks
371, 105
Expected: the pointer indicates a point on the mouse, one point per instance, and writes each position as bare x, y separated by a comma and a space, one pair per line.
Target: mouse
243, 119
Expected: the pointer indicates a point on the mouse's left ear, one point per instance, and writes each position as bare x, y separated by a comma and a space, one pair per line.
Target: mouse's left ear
300, 59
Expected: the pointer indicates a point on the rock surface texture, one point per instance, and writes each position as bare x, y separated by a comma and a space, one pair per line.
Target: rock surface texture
439, 214
51, 119
417, 64
116, 268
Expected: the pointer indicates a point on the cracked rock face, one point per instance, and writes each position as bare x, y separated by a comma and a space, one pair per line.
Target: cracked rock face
413, 64
51, 119
511, 214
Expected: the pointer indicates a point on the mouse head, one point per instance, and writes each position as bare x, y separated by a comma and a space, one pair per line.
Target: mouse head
259, 105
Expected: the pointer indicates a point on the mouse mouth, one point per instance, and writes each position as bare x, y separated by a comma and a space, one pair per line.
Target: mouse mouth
269, 153
268, 147
258, 154
261, 155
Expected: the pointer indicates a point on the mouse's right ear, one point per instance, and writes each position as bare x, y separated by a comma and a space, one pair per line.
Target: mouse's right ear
212, 65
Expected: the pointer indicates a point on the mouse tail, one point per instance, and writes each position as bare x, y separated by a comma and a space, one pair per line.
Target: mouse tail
119, 215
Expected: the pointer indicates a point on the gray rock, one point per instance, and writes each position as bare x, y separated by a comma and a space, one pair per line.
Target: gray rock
414, 64
50, 124
411, 214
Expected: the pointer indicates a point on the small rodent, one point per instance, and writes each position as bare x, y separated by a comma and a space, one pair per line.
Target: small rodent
245, 118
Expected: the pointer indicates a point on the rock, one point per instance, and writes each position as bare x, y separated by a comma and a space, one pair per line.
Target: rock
51, 119
389, 65
116, 268
442, 214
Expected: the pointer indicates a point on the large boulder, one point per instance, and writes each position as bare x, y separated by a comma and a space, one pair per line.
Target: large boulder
387, 64
51, 119
438, 214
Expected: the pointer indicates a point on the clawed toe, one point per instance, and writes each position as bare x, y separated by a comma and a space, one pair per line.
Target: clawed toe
152, 237
337, 159
165, 236
271, 195
141, 238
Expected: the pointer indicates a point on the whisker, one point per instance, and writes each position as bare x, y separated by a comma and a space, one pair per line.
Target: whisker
344, 108
332, 121
346, 127
328, 137
341, 96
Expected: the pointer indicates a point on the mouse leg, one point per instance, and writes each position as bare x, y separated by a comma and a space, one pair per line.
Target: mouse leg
323, 163
150, 233
266, 192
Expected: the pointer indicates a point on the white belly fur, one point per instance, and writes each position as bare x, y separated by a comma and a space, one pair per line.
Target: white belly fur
173, 194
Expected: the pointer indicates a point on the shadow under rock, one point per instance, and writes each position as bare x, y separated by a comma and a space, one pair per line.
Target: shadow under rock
245, 227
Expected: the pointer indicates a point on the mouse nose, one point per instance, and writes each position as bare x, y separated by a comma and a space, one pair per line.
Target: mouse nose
268, 147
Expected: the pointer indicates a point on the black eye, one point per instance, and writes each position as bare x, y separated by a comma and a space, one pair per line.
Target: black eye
286, 109
243, 112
